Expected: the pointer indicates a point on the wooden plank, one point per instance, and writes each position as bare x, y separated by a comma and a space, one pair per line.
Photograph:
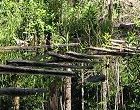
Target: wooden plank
14, 70
43, 64
16, 91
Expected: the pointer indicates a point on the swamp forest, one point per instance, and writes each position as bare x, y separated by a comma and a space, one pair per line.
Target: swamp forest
69, 55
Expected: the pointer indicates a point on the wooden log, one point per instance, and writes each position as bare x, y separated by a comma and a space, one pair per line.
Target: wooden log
12, 69
118, 41
42, 64
16, 91
80, 55
123, 49
96, 78
104, 51
68, 58
6, 48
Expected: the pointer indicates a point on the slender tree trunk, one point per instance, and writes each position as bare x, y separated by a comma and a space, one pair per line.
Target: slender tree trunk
117, 98
82, 89
53, 100
68, 92
110, 12
105, 84
16, 102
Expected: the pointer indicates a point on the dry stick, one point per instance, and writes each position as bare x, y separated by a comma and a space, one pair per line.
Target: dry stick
12, 69
67, 58
42, 64
16, 91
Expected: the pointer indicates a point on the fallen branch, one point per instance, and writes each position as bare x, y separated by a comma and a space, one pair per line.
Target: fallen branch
42, 64
6, 48
67, 58
123, 49
118, 41
80, 55
104, 51
16, 91
12, 69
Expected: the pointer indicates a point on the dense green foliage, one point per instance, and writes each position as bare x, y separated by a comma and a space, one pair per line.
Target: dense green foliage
86, 22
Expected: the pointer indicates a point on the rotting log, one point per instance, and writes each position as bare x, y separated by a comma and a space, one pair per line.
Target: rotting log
96, 78
42, 64
14, 70
16, 91
67, 58
8, 48
80, 55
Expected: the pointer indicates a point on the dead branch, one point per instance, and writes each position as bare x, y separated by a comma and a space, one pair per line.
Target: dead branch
16, 91
118, 41
6, 48
120, 49
104, 51
42, 64
14, 70
80, 55
67, 58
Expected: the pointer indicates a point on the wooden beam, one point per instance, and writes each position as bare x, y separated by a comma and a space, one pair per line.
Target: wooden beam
14, 70
16, 91
67, 58
42, 64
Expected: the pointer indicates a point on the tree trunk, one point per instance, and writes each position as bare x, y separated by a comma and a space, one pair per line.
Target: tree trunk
68, 92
